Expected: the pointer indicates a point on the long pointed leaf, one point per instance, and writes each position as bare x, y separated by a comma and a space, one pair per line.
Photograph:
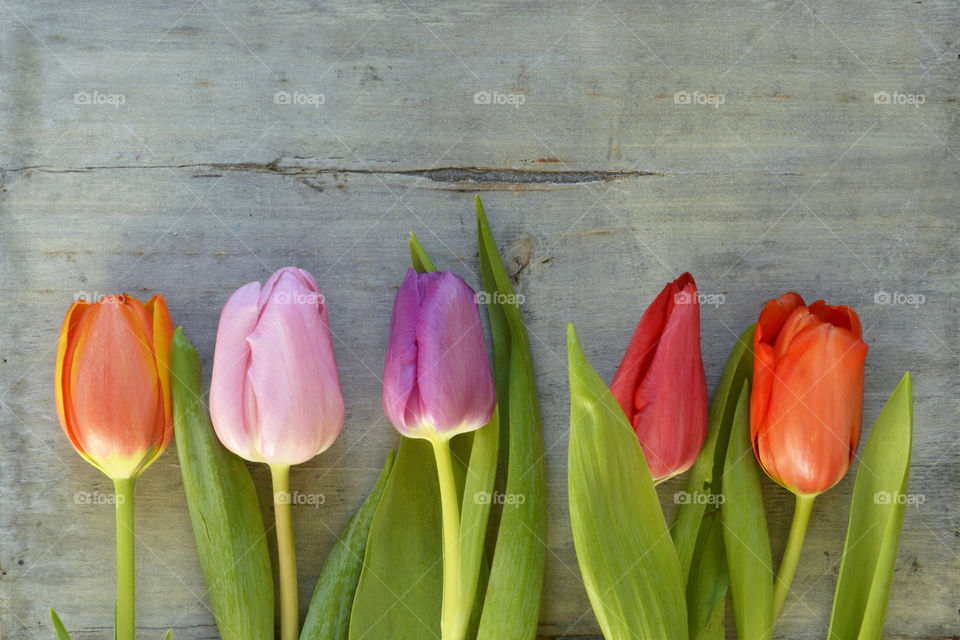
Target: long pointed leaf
627, 559
698, 536
705, 476
399, 593
512, 602
227, 524
58, 627
745, 533
328, 617
876, 517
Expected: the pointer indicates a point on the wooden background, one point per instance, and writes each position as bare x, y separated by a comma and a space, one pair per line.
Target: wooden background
144, 148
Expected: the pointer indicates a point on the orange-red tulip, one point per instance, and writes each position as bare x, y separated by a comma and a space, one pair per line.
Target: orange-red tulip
113, 382
805, 408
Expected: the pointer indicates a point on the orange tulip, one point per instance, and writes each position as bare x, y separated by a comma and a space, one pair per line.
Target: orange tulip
805, 409
113, 382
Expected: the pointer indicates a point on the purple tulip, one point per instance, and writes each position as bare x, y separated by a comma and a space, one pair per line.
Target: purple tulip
275, 396
436, 380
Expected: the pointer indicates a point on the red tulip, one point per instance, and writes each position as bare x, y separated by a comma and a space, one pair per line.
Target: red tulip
805, 407
660, 383
113, 382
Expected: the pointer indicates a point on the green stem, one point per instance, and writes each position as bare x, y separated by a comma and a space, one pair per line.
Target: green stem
791, 554
453, 618
289, 615
125, 610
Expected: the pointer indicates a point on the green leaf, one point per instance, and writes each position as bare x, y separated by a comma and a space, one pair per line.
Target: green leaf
745, 534
511, 605
713, 629
876, 517
418, 256
168, 635
627, 559
328, 617
705, 476
707, 587
399, 592
227, 524
475, 505
698, 536
499, 332
58, 627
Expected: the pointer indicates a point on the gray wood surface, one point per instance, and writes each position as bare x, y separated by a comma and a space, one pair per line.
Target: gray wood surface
144, 148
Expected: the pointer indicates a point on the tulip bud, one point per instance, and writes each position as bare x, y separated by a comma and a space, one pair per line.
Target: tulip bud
113, 382
660, 384
805, 407
436, 379
275, 395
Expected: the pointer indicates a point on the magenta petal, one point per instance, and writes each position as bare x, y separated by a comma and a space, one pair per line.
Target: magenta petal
671, 400
400, 368
453, 371
292, 372
237, 320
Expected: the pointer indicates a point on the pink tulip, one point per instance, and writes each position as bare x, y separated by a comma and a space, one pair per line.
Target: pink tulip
275, 396
660, 383
436, 380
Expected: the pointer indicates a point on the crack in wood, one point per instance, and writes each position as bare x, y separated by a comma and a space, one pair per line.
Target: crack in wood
447, 175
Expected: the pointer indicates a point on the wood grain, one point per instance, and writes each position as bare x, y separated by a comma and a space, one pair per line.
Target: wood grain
600, 187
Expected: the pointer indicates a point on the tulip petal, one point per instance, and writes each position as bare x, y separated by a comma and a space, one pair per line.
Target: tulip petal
813, 422
453, 370
66, 348
774, 315
670, 403
839, 316
633, 367
230, 361
400, 367
161, 330
293, 373
112, 367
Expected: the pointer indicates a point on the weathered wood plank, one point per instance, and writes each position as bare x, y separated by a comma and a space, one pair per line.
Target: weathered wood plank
603, 185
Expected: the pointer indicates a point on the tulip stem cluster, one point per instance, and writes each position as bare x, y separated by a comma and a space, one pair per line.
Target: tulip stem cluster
453, 618
791, 554
123, 490
286, 555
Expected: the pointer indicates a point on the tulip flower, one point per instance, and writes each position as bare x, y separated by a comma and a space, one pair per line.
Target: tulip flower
275, 395
436, 384
113, 401
805, 406
660, 384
